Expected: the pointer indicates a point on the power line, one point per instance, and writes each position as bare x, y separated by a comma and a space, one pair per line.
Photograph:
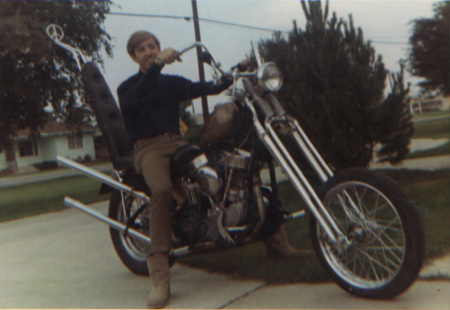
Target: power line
219, 22
189, 18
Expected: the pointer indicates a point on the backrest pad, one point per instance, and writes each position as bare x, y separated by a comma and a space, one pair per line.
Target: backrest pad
109, 117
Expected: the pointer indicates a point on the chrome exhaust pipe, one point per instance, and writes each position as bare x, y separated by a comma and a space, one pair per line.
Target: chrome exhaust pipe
104, 178
70, 202
178, 252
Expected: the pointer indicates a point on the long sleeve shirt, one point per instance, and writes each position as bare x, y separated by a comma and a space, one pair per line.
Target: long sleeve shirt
150, 102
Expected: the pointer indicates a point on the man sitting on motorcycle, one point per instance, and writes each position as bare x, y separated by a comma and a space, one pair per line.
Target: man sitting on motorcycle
150, 104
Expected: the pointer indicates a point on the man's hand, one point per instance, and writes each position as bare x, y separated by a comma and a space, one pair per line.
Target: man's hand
245, 63
167, 56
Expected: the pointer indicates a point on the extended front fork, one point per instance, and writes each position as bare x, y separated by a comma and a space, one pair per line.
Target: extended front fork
274, 143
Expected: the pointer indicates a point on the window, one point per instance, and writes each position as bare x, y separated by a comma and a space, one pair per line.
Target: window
75, 142
28, 148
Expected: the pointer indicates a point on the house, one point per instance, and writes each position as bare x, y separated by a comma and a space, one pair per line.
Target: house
55, 139
428, 102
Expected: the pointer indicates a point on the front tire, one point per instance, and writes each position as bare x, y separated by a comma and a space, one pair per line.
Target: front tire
132, 252
386, 248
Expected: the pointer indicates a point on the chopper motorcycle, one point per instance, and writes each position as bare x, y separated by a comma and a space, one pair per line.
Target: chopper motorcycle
364, 230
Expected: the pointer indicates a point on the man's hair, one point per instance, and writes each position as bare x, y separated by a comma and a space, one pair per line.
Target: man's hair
137, 38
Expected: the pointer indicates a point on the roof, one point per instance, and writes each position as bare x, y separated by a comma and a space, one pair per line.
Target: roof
56, 129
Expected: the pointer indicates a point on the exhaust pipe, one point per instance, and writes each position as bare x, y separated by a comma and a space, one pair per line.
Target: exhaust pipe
179, 252
104, 178
70, 202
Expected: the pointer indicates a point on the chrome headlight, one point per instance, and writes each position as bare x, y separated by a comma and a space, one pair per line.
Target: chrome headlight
269, 77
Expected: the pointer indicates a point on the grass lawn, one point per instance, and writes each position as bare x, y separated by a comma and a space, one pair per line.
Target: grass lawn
38, 198
430, 115
434, 125
430, 193
432, 128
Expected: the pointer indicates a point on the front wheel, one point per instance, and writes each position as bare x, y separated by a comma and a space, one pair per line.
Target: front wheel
133, 252
385, 242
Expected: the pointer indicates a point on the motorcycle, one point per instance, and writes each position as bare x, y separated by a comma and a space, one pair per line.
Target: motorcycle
364, 230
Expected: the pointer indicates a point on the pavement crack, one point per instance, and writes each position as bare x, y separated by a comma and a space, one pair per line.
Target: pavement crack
243, 295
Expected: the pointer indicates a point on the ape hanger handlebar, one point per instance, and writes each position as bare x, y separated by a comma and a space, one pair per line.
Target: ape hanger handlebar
56, 34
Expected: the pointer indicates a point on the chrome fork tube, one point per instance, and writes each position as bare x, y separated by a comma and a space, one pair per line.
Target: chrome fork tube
311, 152
316, 206
328, 225
316, 160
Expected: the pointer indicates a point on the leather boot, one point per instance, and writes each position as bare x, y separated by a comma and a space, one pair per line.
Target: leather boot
277, 245
158, 265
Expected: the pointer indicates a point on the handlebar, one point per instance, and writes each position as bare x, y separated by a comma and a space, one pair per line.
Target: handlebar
195, 44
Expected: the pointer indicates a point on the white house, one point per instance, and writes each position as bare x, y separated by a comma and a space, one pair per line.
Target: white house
55, 139
430, 101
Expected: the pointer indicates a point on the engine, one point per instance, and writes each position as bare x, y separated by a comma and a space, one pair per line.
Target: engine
236, 193
217, 194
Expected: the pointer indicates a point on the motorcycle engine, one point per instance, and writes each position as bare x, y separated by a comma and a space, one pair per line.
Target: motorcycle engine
198, 219
236, 207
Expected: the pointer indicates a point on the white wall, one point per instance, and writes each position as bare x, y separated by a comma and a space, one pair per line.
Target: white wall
49, 148
62, 147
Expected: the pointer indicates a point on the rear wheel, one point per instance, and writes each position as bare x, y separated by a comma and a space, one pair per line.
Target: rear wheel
133, 252
386, 241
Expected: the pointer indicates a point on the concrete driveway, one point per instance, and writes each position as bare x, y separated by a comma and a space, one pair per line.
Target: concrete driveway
66, 260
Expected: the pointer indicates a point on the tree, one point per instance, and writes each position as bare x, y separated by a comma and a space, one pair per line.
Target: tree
334, 85
34, 72
430, 49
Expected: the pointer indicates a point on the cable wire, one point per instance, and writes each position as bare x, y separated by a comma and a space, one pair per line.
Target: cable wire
189, 18
213, 21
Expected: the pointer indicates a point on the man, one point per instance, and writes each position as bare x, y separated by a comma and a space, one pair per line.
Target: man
150, 104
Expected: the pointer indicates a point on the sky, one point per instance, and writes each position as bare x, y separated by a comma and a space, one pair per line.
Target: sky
387, 23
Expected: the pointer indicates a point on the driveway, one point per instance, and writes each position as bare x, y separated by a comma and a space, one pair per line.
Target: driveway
66, 260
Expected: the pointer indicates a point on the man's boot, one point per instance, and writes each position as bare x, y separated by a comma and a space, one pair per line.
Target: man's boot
277, 245
158, 265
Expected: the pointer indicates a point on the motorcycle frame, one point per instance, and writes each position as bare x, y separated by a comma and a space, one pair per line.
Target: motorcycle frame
123, 228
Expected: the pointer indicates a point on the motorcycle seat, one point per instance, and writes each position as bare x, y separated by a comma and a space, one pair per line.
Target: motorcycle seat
181, 158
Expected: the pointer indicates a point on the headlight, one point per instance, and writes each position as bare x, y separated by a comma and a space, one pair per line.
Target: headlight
269, 77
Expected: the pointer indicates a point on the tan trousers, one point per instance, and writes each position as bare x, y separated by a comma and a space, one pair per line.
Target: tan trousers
152, 160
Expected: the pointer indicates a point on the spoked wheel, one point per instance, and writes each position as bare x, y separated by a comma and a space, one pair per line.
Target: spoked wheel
385, 243
133, 252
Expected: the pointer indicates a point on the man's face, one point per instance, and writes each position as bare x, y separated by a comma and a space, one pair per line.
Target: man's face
145, 54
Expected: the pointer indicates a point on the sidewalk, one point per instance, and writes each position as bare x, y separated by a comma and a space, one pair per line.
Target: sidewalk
426, 163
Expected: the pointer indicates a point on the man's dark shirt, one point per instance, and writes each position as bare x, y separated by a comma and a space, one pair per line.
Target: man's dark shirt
150, 102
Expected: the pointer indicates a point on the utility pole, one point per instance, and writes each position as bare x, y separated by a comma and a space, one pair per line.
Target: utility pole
201, 71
